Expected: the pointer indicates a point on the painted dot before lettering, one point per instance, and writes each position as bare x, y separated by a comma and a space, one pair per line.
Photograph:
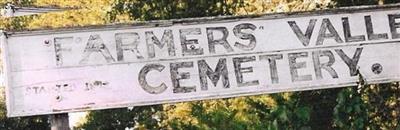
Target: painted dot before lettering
47, 42
377, 68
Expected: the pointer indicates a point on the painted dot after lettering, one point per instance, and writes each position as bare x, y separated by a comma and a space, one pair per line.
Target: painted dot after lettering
377, 68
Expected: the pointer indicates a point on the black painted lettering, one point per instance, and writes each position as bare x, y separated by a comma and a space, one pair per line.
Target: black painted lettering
318, 66
96, 44
272, 66
303, 37
394, 25
176, 76
238, 31
222, 41
220, 71
370, 30
322, 35
127, 42
58, 42
350, 62
294, 66
143, 82
189, 46
347, 33
152, 40
239, 71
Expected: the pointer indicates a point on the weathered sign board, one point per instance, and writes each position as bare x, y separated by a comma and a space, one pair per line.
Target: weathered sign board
58, 71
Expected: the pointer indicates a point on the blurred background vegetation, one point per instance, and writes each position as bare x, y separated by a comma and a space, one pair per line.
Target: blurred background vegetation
361, 107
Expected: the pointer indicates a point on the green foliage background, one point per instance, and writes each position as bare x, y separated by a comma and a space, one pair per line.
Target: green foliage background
358, 107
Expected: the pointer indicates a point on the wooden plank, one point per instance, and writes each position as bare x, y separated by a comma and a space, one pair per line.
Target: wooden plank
5, 71
70, 70
58, 121
10, 10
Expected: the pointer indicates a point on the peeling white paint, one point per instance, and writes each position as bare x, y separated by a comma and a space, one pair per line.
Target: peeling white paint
60, 71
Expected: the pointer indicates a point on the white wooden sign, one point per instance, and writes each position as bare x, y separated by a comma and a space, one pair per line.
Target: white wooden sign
57, 71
